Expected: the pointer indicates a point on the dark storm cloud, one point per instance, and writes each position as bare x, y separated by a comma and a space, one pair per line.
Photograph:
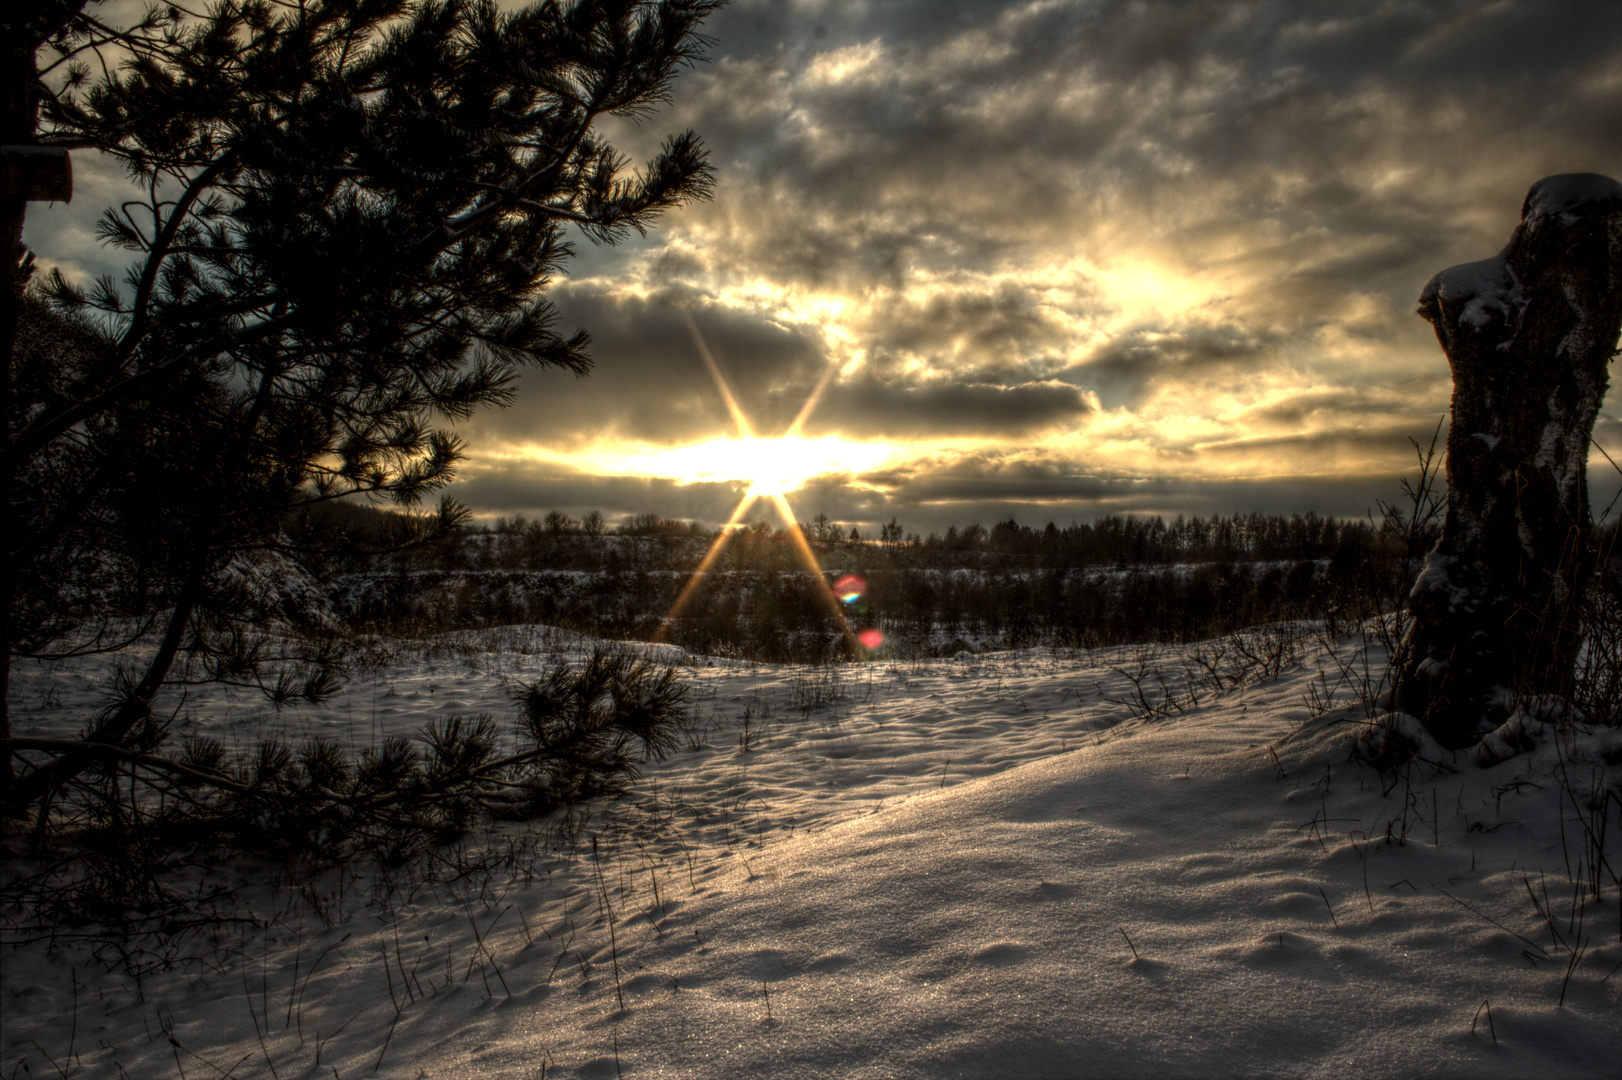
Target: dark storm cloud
978, 478
928, 499
970, 331
1126, 367
650, 384
983, 123
1328, 447
533, 490
1311, 150
932, 495
1318, 406
967, 175
870, 408
935, 160
649, 381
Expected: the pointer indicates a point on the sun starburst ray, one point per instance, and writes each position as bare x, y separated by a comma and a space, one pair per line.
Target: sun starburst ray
814, 399
803, 548
745, 431
708, 561
767, 488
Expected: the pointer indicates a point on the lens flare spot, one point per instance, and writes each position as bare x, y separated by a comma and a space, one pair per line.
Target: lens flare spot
850, 588
871, 639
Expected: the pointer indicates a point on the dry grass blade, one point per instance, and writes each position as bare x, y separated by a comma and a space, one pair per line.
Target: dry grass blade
1485, 1006
1330, 906
1542, 955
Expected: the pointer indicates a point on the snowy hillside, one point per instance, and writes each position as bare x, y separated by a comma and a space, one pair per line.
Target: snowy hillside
999, 865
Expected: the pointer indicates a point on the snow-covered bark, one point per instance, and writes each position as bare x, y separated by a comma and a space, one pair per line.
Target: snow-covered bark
1529, 335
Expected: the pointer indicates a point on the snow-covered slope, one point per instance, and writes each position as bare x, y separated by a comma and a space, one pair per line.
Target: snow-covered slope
990, 866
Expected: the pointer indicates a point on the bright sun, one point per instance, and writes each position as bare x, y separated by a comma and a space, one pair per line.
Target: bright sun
770, 466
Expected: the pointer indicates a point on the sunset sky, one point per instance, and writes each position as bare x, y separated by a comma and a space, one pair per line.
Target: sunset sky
1046, 260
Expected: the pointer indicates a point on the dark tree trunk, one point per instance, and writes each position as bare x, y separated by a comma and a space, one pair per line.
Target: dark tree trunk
1529, 335
17, 109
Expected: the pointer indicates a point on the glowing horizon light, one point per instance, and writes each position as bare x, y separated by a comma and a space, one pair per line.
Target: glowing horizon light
781, 466
870, 639
771, 466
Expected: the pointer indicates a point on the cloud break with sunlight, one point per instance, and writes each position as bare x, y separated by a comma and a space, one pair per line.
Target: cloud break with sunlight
773, 468
770, 466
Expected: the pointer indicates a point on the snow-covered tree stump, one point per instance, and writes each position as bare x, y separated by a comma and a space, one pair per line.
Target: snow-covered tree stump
1529, 335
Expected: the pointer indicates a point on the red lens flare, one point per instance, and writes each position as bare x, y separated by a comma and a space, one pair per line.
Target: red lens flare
871, 639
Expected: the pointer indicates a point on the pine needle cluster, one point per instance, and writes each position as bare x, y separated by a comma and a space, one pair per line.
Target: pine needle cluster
344, 221
581, 731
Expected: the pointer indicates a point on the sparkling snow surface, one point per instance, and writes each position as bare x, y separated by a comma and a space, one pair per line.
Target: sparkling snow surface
983, 867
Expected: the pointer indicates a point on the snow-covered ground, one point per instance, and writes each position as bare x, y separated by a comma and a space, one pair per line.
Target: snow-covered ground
988, 866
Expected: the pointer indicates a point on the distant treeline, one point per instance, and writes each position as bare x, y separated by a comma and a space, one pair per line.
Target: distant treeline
787, 616
1116, 580
560, 542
